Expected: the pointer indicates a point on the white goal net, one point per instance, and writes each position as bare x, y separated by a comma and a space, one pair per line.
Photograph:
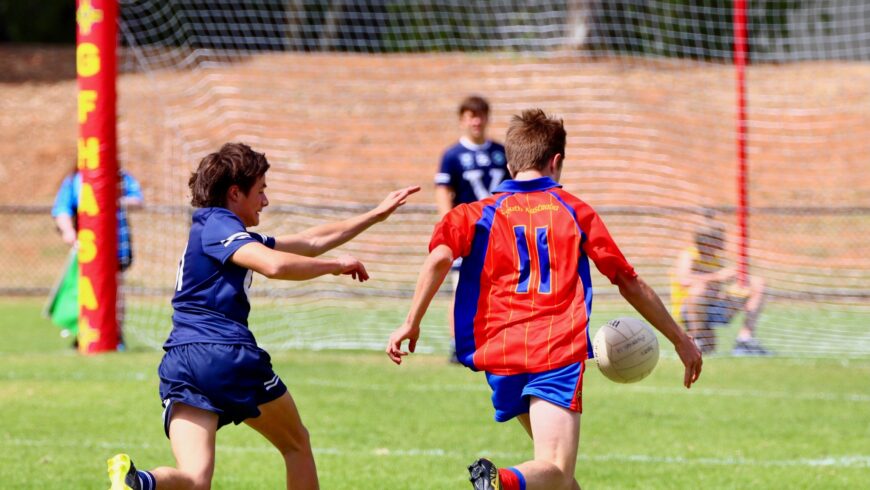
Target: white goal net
350, 100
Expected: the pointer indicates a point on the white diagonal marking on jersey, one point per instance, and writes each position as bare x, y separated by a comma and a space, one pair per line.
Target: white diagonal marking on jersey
235, 236
272, 382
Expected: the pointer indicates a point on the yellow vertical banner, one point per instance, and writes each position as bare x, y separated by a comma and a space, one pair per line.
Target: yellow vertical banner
96, 68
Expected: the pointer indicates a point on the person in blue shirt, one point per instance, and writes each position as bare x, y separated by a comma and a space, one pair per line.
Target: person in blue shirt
65, 209
213, 373
470, 170
66, 204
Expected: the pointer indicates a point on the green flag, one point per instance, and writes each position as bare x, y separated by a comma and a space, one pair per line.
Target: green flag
63, 303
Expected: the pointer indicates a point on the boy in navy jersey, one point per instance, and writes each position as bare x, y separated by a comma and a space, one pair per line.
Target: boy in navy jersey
213, 373
470, 170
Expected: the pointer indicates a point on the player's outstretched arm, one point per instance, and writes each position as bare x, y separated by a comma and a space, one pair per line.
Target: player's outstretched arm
281, 265
650, 306
319, 239
431, 276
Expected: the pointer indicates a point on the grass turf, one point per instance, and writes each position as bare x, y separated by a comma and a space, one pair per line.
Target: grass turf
749, 423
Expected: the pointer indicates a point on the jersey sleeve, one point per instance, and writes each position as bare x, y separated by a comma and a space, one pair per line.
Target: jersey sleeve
266, 240
456, 230
65, 201
600, 247
224, 233
446, 171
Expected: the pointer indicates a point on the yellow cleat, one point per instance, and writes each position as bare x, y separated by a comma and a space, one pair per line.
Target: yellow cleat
122, 473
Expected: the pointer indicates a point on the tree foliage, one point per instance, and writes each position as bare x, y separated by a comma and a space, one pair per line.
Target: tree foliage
42, 21
699, 29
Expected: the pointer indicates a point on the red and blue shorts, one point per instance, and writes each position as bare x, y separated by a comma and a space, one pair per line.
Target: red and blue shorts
562, 387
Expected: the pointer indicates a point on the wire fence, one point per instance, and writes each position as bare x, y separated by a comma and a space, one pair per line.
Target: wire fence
34, 255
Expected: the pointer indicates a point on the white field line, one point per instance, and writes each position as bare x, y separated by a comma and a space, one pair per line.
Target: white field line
844, 461
655, 390
483, 388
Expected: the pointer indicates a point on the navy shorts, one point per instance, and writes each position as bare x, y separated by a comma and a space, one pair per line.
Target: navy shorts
229, 380
562, 387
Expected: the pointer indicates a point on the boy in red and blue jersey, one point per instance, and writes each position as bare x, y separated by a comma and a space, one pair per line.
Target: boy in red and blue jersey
524, 300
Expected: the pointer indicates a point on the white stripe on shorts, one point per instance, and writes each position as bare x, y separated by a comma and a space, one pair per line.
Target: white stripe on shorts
272, 383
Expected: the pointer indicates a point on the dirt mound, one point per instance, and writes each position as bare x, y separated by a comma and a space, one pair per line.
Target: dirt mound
343, 129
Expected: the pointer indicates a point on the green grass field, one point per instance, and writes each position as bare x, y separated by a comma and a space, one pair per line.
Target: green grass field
749, 423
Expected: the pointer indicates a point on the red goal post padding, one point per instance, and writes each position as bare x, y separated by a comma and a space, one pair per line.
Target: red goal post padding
96, 38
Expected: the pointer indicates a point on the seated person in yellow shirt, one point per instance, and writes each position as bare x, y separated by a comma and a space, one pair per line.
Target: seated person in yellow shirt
705, 294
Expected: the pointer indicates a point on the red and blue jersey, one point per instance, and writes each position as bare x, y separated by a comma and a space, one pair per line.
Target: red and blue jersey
525, 291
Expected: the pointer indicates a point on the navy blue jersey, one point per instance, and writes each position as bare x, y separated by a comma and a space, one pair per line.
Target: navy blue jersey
211, 292
472, 171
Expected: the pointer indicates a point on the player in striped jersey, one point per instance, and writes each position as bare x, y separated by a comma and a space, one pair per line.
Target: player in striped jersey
524, 300
213, 372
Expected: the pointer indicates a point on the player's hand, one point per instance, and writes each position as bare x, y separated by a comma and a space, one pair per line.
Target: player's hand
393, 201
691, 357
394, 345
351, 266
69, 237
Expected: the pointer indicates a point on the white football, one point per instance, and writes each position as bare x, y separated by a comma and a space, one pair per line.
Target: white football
627, 350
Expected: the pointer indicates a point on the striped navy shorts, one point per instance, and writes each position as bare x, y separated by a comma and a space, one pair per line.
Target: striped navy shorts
229, 380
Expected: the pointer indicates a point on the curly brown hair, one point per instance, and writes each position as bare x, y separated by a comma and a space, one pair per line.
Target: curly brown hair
234, 164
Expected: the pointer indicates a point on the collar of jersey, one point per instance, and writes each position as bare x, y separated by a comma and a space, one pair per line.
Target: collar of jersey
471, 146
539, 184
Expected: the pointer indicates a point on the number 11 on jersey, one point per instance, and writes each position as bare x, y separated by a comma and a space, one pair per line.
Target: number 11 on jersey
526, 271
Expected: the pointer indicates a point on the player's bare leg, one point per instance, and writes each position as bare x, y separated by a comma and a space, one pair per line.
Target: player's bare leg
695, 308
752, 303
753, 306
120, 311
280, 423
555, 432
452, 326
192, 436
527, 425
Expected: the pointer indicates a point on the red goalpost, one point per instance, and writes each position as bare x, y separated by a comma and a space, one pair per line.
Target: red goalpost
96, 39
